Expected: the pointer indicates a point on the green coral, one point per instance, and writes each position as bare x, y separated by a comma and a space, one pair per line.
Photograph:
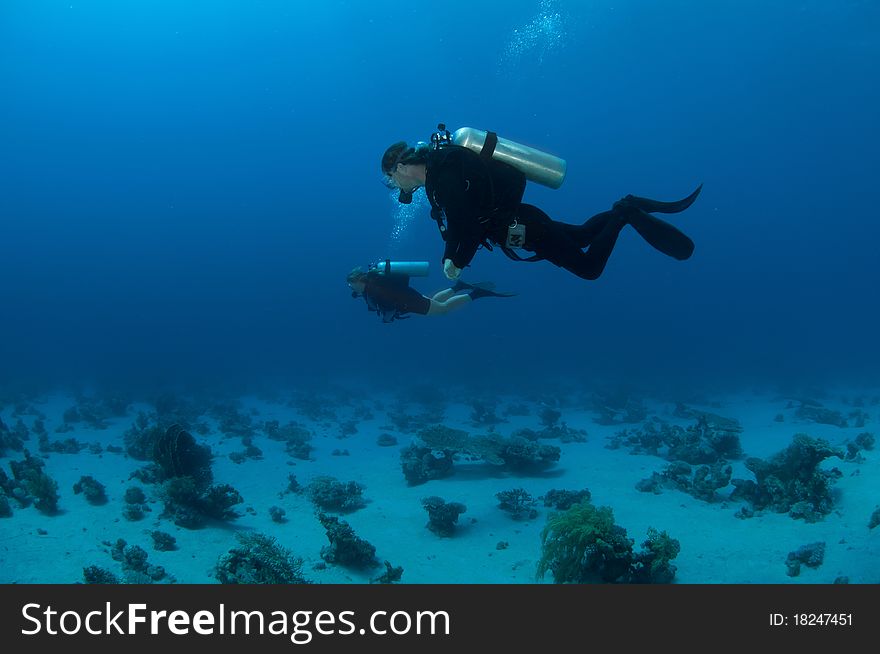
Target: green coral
583, 545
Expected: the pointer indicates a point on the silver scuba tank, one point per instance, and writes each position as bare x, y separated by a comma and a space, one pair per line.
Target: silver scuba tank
537, 166
409, 268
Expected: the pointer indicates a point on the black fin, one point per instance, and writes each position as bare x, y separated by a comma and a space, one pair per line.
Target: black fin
656, 206
486, 289
461, 285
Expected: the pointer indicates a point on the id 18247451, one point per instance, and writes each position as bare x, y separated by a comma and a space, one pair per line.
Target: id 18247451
811, 620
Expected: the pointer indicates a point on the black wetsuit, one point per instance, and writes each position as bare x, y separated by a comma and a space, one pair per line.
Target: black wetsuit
481, 197
391, 297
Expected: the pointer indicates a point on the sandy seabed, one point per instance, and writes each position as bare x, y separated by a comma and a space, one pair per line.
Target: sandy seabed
717, 547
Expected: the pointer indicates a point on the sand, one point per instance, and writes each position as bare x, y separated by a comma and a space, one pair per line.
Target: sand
716, 546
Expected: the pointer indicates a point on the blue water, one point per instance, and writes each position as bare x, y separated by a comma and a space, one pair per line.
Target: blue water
185, 185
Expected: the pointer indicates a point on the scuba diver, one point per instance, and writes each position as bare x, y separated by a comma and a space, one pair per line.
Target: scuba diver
386, 290
475, 183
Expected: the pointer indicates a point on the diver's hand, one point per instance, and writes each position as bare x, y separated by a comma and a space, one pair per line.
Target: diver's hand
450, 270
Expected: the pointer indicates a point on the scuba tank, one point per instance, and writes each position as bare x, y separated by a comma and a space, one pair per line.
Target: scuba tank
540, 167
408, 268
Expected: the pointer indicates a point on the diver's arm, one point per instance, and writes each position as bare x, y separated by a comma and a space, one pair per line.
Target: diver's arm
464, 233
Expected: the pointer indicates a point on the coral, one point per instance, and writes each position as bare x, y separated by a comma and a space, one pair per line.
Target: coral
36, 484
134, 558
564, 499
864, 441
617, 407
5, 508
259, 559
346, 548
561, 432
134, 512
93, 490
791, 481
386, 440
711, 439
707, 441
294, 436
95, 411
140, 437
232, 421
647, 440
181, 498
217, 502
178, 455
293, 486
516, 453
250, 451
483, 413
875, 519
277, 514
66, 446
583, 545
313, 405
549, 416
172, 409
421, 464
518, 502
135, 504
821, 415
95, 575
521, 455
189, 506
440, 437
163, 542
408, 423
347, 428
14, 488
390, 575
811, 555
330, 494
442, 515
652, 565
702, 483
135, 495
9, 440
135, 568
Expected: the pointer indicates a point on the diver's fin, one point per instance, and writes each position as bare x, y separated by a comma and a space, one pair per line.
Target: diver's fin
664, 237
656, 206
461, 285
486, 289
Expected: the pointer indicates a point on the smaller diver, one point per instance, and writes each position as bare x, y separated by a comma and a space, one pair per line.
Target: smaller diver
386, 290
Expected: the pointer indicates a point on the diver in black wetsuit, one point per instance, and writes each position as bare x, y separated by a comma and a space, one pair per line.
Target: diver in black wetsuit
392, 298
481, 202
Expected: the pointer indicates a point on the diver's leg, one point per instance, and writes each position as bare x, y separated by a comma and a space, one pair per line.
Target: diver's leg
442, 296
658, 233
452, 304
584, 234
560, 248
